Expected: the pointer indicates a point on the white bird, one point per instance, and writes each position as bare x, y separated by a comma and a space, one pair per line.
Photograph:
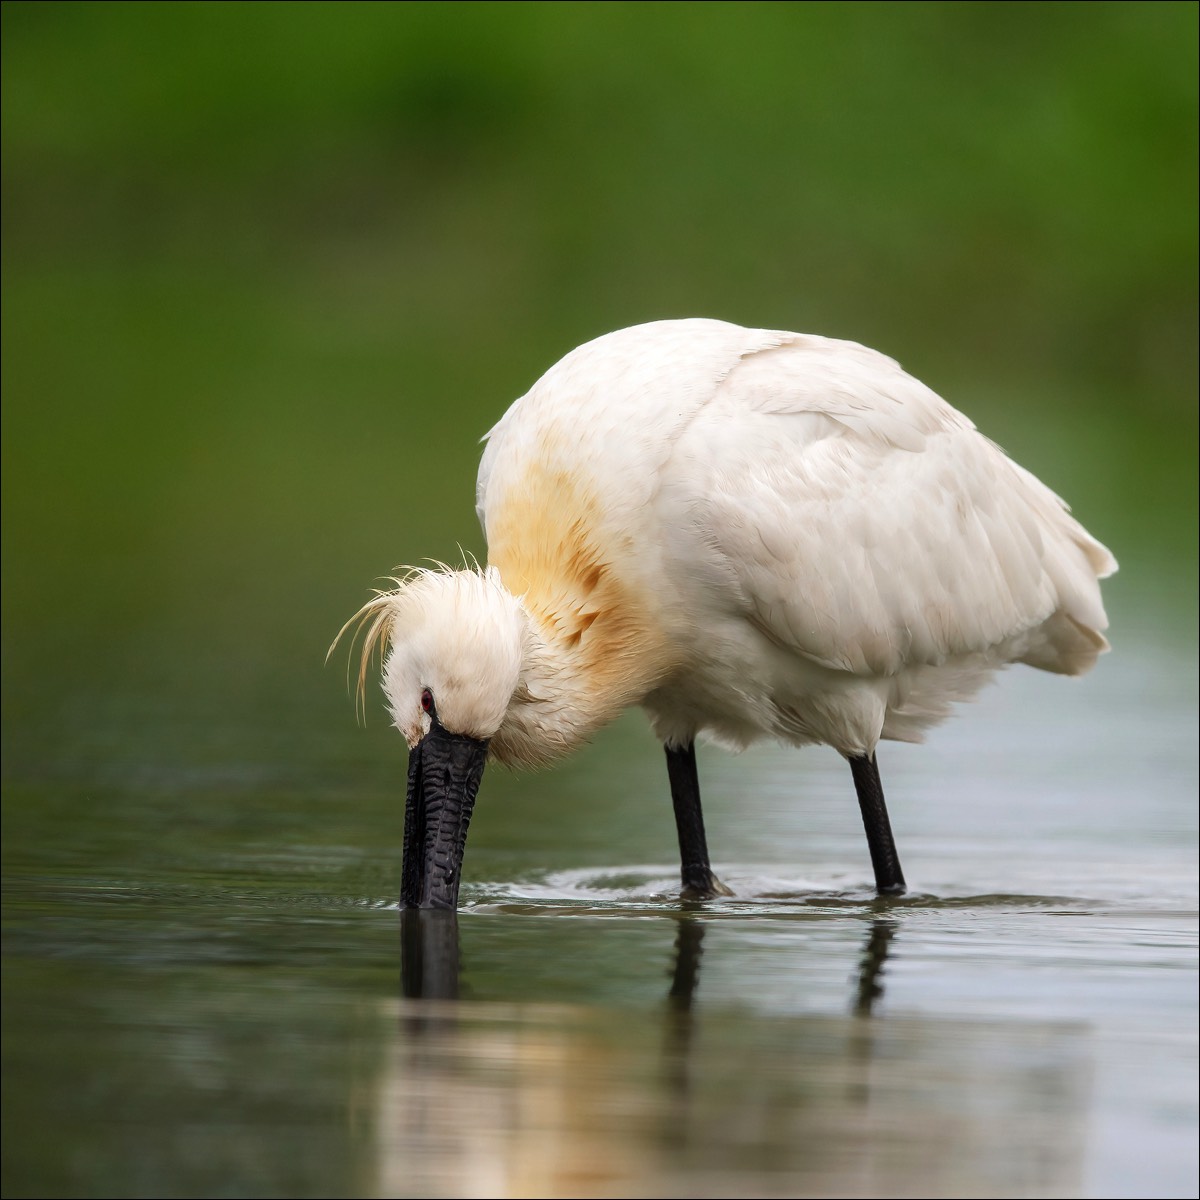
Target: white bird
750, 533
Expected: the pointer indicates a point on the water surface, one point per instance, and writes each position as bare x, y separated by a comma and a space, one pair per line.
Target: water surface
208, 990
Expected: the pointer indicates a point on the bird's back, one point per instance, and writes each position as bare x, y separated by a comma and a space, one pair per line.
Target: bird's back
800, 525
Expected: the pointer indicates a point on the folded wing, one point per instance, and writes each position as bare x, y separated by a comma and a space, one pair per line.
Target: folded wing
860, 521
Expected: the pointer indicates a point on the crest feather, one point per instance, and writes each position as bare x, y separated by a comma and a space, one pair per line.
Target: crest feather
374, 622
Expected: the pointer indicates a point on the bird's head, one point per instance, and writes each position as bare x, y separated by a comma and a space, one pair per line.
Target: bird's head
453, 645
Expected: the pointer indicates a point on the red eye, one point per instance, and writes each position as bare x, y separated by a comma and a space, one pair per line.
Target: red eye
427, 701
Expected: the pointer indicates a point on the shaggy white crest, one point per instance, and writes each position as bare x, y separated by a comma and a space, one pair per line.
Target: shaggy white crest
460, 634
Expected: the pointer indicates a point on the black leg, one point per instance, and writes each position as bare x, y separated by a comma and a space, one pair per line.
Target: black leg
889, 879
699, 883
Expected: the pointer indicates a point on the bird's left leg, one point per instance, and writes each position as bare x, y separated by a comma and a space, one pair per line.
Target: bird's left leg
889, 879
699, 882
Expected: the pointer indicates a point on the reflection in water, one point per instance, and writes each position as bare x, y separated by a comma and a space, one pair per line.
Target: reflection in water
678, 1022
870, 971
429, 954
431, 960
540, 1100
688, 948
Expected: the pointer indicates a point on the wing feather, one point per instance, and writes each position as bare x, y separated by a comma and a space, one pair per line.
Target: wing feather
859, 520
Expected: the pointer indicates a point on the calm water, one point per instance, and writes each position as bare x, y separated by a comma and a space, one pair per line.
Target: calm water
207, 989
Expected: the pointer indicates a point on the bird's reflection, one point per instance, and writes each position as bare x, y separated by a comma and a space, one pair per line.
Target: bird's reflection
429, 954
430, 967
686, 973
871, 964
430, 963
679, 1026
589, 1099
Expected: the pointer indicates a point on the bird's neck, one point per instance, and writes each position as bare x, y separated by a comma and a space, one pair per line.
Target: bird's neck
589, 654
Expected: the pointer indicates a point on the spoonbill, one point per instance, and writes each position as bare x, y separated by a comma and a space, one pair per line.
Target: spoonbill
749, 533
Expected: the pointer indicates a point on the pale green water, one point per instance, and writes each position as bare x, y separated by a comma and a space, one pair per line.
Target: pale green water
204, 990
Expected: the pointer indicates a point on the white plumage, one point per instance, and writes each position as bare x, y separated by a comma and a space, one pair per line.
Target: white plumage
749, 533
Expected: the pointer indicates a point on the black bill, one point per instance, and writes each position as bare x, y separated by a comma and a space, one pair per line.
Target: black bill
444, 770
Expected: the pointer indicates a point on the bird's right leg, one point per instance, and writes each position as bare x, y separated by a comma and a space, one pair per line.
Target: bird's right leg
699, 882
889, 879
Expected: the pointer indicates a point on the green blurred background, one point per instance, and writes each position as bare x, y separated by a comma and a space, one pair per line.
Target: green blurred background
271, 270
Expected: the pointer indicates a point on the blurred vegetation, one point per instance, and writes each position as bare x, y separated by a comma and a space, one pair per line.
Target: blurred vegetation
270, 270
